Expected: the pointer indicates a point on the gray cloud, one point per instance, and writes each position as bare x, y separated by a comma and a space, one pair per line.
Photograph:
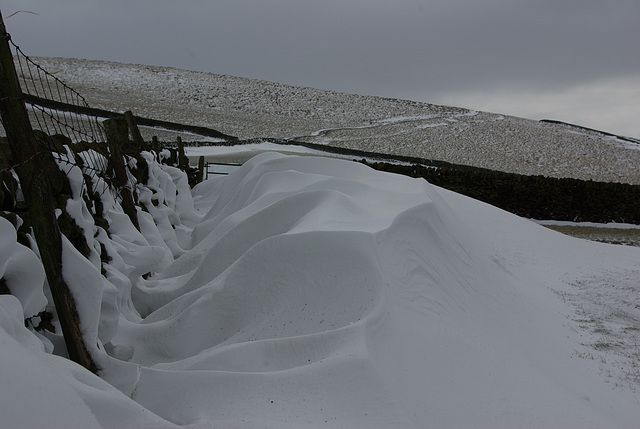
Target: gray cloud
423, 50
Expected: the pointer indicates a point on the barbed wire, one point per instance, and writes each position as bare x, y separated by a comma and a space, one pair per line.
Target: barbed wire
24, 161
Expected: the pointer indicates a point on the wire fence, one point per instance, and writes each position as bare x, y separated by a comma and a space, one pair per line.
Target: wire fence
50, 103
38, 82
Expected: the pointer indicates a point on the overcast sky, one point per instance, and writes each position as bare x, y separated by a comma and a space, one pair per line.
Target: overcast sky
571, 60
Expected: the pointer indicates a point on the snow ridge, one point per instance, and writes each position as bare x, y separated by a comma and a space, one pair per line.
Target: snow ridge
302, 291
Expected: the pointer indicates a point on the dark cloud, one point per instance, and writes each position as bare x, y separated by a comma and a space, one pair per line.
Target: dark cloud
425, 50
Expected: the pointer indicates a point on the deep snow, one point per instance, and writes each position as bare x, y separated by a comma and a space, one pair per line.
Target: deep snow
307, 291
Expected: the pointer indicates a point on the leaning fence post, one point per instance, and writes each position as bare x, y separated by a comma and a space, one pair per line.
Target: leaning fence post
32, 160
135, 131
116, 130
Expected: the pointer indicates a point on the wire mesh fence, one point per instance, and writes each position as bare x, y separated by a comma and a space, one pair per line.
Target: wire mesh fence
38, 83
52, 107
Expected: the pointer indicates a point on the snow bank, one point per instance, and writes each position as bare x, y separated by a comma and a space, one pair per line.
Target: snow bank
304, 291
43, 390
21, 270
319, 290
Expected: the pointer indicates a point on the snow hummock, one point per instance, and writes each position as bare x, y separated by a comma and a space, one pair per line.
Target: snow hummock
21, 270
301, 291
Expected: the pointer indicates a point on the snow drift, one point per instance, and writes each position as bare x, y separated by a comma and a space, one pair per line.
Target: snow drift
305, 291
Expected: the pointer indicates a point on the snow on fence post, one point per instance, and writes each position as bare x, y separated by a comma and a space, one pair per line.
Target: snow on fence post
117, 134
32, 163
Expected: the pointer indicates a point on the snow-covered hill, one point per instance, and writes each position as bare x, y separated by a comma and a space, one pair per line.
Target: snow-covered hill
304, 291
250, 108
316, 292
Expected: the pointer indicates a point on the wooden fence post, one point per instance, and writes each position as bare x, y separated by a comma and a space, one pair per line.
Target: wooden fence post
183, 161
116, 131
135, 131
31, 160
155, 146
200, 174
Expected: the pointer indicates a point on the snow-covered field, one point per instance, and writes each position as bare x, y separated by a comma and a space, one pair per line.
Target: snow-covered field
302, 291
251, 109
312, 292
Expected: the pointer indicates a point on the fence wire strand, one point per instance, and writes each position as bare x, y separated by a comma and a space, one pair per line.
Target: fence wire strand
36, 82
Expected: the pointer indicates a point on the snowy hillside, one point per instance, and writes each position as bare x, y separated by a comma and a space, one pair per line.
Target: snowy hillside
249, 108
315, 292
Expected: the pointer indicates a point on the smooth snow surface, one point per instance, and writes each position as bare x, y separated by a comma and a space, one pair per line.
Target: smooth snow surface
315, 292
